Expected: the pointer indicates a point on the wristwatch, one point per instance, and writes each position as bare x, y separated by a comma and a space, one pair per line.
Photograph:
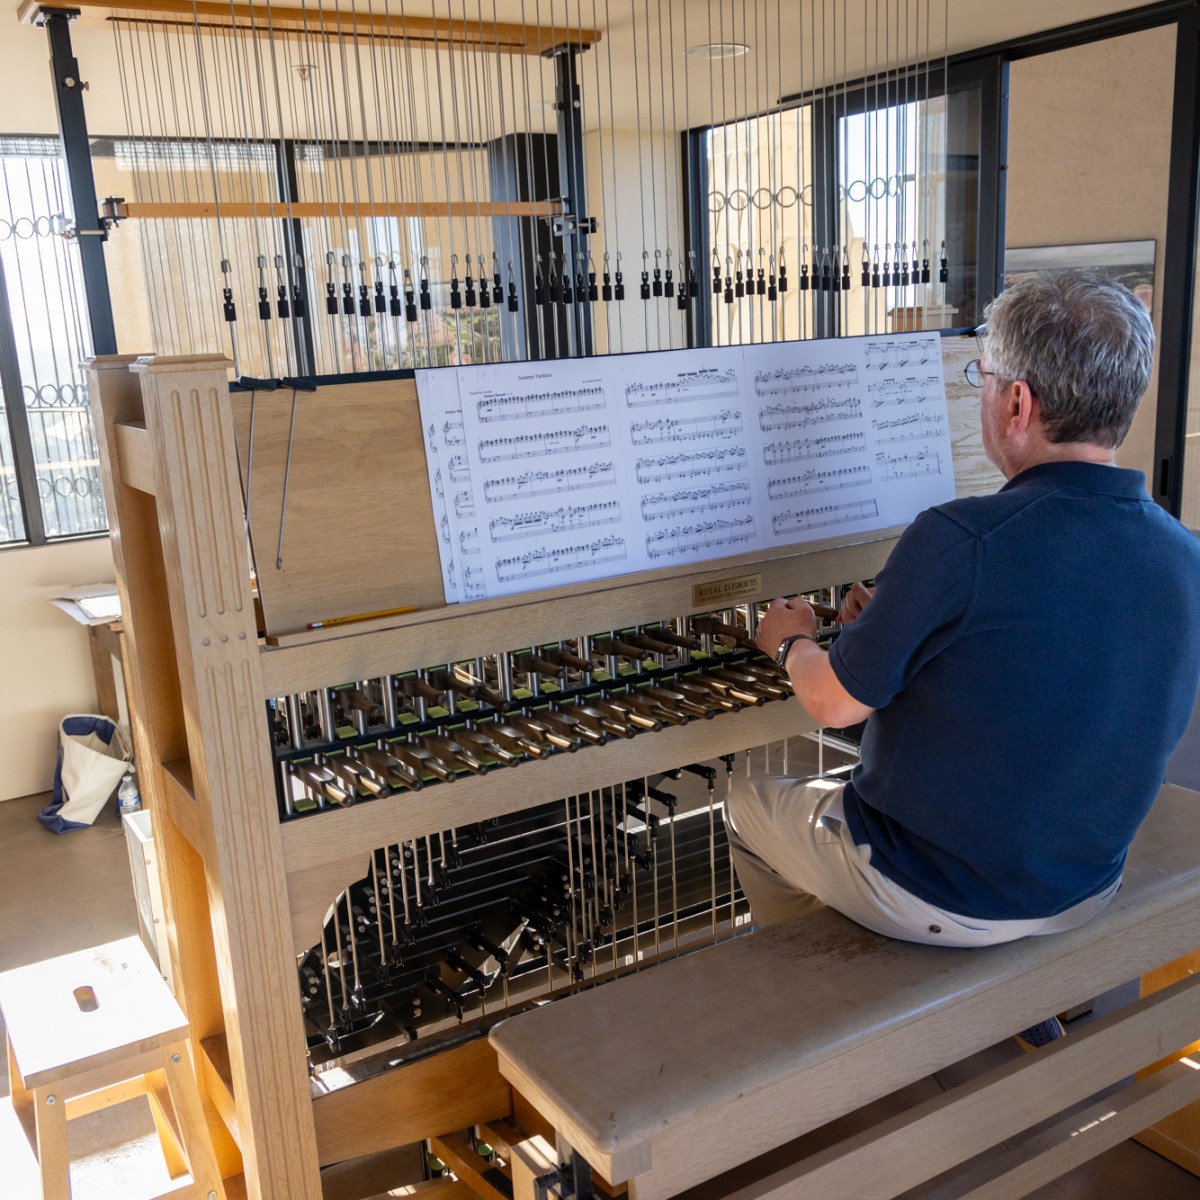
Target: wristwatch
784, 646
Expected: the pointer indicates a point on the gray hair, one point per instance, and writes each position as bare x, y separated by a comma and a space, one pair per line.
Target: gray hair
1085, 346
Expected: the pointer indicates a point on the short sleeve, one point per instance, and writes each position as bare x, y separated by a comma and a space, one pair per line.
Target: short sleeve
922, 596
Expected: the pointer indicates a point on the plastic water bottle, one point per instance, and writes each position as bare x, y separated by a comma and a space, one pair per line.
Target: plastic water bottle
128, 798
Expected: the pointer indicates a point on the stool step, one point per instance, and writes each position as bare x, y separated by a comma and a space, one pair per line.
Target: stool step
85, 1011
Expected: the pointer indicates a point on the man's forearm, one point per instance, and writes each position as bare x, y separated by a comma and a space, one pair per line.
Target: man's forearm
819, 689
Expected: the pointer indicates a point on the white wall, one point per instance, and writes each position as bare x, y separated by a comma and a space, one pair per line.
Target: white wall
47, 671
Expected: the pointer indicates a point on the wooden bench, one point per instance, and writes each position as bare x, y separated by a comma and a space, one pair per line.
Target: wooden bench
672, 1076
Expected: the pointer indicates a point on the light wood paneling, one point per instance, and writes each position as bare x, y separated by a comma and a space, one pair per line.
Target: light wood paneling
451, 1091
358, 524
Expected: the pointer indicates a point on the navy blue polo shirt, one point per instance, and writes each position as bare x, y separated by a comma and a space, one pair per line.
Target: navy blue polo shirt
1034, 657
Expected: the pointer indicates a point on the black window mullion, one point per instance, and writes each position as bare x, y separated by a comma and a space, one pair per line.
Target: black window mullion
824, 168
18, 423
697, 229
293, 240
1179, 272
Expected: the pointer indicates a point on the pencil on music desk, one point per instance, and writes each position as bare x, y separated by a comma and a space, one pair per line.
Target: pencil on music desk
369, 616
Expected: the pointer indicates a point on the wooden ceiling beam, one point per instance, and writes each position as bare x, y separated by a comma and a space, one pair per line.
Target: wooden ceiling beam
502, 36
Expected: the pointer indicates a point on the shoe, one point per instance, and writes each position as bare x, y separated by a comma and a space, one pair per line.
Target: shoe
1041, 1034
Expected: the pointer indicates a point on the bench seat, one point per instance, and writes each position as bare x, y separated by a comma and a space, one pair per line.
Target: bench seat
671, 1076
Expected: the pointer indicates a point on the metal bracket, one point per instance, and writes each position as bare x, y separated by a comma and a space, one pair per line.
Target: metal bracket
570, 1180
568, 223
47, 11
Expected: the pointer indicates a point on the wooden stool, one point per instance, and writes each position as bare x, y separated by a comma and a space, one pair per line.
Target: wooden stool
89, 1030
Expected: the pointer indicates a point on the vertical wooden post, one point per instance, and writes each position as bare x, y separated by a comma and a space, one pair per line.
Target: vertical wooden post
206, 561
156, 713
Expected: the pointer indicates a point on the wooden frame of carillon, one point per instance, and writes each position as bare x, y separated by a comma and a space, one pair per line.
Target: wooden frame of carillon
202, 480
244, 892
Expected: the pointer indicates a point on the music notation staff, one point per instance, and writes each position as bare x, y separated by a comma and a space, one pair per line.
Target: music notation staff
541, 404
805, 378
903, 391
698, 464
464, 505
452, 431
684, 389
544, 561
550, 483
468, 541
718, 536
813, 412
714, 498
805, 519
541, 522
802, 449
535, 445
459, 469
812, 482
894, 355
726, 424
910, 466
912, 427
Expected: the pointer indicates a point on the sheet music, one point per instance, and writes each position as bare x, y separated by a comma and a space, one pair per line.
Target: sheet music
851, 436
578, 469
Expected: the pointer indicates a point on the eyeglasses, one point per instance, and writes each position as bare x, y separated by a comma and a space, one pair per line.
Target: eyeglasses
975, 374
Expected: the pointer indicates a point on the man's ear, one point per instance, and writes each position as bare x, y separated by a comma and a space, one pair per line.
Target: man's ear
1023, 407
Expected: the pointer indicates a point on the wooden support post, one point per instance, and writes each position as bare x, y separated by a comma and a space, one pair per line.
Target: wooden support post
155, 709
200, 518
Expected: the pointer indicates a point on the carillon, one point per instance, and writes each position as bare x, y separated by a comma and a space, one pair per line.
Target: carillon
461, 744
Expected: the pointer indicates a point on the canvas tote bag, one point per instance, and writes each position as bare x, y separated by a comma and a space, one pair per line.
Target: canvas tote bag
93, 755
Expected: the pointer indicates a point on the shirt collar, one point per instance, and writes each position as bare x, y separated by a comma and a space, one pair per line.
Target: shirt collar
1089, 477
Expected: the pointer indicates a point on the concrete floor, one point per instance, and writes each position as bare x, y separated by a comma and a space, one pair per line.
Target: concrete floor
65, 893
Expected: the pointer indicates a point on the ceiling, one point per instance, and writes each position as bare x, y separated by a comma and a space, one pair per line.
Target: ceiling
639, 76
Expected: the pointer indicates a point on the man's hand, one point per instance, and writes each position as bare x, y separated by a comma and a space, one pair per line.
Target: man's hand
856, 599
781, 620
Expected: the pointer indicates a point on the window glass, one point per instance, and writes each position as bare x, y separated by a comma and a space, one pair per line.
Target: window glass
45, 302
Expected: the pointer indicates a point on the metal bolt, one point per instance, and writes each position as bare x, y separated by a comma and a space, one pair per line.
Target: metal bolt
69, 81
175, 1059
49, 1099
212, 1196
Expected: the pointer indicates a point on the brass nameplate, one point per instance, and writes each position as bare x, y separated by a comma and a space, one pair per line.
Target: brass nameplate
726, 591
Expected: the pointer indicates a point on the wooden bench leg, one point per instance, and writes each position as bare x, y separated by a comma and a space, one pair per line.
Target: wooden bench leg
166, 1123
531, 1159
185, 1099
50, 1120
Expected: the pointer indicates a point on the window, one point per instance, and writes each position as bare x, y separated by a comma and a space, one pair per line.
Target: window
866, 182
49, 469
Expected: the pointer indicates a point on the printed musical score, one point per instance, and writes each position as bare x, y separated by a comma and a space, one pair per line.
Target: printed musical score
716, 497
802, 449
700, 464
689, 388
810, 482
704, 538
558, 520
556, 560
815, 412
537, 445
550, 483
541, 404
799, 520
603, 466
725, 425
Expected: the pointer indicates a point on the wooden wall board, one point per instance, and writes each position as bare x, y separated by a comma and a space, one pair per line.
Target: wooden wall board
358, 524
